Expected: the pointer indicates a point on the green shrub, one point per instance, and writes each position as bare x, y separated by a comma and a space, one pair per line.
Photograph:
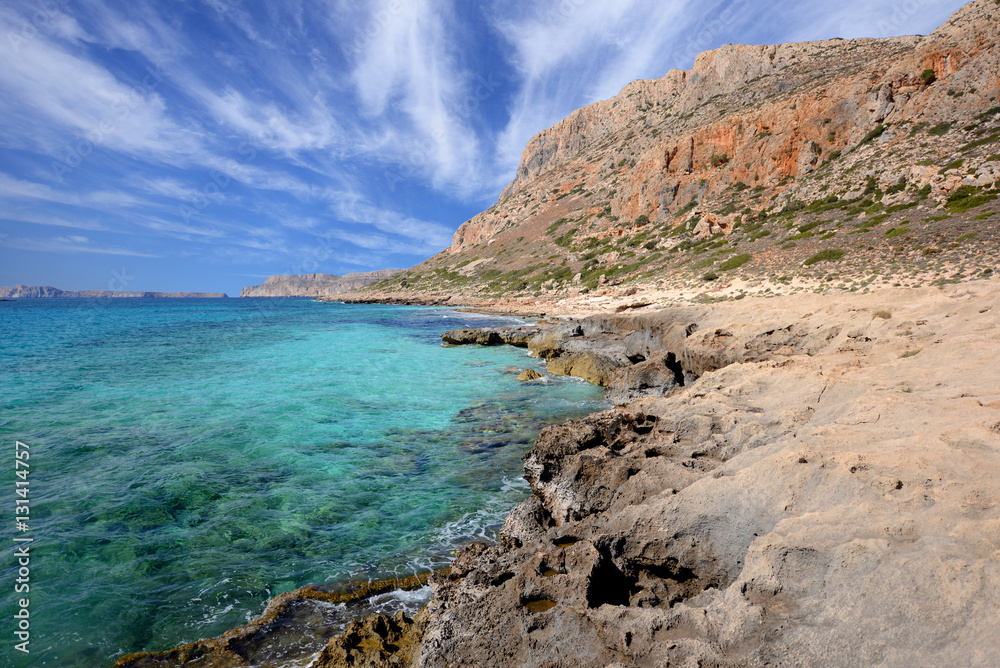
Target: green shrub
928, 77
971, 202
793, 206
954, 164
962, 193
710, 276
901, 207
939, 129
827, 255
556, 225
690, 206
565, 239
874, 134
641, 220
735, 262
900, 186
990, 139
871, 186
718, 160
896, 232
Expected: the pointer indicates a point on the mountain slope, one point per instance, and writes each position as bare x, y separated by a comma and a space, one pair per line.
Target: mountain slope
881, 152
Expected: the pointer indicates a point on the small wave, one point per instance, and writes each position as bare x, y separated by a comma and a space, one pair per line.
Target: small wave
472, 315
481, 524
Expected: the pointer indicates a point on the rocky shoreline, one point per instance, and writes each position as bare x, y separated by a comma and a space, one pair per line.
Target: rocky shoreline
803, 481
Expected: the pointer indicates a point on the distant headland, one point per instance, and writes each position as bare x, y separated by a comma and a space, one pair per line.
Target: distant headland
315, 285
47, 291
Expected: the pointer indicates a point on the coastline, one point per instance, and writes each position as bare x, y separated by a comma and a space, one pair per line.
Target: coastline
800, 467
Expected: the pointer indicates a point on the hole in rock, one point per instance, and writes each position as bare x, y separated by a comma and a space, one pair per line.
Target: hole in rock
675, 368
608, 585
500, 579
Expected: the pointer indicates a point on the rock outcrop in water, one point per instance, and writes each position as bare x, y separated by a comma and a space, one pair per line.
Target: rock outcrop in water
48, 292
314, 285
293, 623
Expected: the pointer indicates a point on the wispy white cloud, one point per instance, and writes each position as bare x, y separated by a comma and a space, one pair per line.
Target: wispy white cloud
70, 244
422, 235
411, 84
13, 189
30, 218
67, 106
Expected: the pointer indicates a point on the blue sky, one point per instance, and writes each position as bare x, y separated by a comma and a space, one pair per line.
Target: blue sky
203, 145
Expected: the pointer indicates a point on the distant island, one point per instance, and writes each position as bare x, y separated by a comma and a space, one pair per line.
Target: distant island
315, 285
47, 292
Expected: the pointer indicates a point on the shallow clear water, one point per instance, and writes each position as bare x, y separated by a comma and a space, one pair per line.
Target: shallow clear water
190, 459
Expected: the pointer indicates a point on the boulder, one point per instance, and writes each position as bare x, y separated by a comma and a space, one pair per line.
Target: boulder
592, 367
655, 377
529, 374
482, 337
491, 336
548, 344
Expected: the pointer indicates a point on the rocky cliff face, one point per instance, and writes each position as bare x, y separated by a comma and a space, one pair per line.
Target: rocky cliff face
314, 285
45, 291
848, 139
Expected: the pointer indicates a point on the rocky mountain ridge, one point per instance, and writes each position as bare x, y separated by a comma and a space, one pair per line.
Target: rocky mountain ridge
46, 292
314, 285
878, 157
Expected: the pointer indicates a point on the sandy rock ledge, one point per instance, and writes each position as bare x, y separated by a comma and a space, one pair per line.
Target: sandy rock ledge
820, 492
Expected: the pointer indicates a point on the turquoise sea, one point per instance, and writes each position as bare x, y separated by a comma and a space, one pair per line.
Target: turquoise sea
191, 459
